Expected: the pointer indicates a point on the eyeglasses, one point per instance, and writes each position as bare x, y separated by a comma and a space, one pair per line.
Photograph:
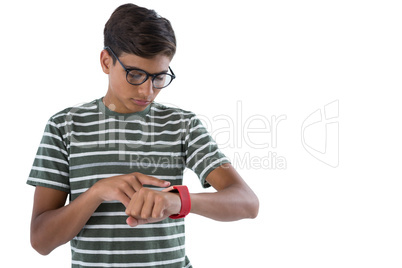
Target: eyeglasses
137, 77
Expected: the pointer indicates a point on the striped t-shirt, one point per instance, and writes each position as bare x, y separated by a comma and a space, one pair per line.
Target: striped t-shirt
84, 144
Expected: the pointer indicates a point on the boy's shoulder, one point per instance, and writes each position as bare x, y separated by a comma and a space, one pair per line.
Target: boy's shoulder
81, 109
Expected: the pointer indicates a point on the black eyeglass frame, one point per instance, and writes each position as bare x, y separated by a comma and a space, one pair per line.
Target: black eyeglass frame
173, 76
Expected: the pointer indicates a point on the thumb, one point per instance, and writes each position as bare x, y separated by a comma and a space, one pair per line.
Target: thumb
132, 221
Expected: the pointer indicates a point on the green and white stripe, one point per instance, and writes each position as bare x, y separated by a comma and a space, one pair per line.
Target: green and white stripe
84, 144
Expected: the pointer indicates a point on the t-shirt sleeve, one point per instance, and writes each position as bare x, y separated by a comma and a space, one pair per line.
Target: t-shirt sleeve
202, 152
51, 166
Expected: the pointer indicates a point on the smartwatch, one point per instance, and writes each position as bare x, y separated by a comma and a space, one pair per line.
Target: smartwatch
185, 200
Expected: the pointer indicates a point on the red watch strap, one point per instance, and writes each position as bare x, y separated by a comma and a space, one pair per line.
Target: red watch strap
185, 202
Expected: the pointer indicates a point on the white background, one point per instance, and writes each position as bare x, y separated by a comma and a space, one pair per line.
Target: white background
255, 58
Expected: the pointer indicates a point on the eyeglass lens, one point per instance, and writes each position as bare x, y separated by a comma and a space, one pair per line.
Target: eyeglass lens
138, 77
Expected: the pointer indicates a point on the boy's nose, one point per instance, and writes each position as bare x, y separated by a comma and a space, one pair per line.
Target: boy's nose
146, 89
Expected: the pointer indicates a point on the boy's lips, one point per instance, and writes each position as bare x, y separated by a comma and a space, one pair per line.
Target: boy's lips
141, 102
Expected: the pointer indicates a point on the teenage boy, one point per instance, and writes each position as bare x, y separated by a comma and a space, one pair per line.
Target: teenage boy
121, 159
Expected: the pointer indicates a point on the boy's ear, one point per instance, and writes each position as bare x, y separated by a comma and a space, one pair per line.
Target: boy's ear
106, 61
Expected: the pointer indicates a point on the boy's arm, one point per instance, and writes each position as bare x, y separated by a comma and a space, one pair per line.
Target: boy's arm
234, 200
54, 224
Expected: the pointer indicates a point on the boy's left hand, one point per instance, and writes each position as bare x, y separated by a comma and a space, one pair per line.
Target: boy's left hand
147, 206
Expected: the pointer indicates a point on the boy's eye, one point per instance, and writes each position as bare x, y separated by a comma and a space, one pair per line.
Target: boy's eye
160, 77
135, 75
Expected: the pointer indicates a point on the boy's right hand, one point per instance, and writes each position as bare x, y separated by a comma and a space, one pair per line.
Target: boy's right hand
123, 187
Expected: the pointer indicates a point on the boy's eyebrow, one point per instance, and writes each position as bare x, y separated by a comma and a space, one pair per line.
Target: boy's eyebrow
136, 68
129, 67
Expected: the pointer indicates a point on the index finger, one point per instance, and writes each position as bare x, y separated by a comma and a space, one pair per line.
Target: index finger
149, 180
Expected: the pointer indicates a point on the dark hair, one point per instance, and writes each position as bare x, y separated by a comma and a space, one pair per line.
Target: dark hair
139, 31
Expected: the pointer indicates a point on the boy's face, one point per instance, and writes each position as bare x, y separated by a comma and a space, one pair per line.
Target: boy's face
123, 97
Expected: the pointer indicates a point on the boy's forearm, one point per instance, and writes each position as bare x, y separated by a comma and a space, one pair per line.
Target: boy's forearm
230, 204
56, 227
57, 224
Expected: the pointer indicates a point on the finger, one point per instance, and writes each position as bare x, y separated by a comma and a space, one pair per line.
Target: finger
124, 199
135, 182
132, 221
158, 209
129, 191
149, 180
148, 206
168, 189
130, 206
135, 222
136, 205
